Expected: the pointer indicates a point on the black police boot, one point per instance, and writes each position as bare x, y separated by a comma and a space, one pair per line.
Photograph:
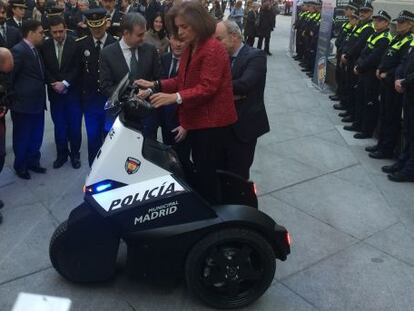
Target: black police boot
362, 136
347, 119
339, 107
351, 128
371, 148
401, 176
344, 114
334, 98
391, 169
380, 154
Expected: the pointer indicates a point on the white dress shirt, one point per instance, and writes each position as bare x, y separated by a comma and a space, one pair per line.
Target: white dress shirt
103, 40
126, 51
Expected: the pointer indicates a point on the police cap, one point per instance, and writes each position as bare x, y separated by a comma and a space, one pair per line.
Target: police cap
95, 17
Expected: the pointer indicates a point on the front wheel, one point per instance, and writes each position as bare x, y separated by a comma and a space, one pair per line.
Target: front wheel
230, 268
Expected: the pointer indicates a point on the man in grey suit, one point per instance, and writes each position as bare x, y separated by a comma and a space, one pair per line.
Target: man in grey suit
130, 55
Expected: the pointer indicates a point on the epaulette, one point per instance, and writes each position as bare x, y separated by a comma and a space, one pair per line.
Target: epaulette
81, 38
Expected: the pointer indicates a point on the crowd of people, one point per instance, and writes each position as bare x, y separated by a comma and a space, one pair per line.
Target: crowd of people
206, 83
374, 78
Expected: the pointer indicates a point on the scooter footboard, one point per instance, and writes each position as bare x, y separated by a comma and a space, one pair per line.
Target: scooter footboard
84, 248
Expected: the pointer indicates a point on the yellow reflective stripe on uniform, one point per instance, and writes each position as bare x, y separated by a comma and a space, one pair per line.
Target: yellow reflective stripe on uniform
372, 40
398, 45
361, 29
412, 43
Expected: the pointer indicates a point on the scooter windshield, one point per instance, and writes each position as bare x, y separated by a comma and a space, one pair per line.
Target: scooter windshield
114, 100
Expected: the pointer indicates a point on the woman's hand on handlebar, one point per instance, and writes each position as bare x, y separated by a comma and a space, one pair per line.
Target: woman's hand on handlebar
144, 84
163, 99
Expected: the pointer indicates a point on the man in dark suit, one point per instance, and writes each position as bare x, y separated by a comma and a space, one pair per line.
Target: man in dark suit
130, 55
92, 99
29, 103
62, 68
9, 35
18, 10
249, 78
114, 16
167, 117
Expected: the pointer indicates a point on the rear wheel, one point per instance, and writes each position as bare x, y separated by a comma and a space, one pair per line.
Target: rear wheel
230, 268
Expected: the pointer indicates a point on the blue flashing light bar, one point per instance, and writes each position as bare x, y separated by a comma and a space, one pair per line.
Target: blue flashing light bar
103, 187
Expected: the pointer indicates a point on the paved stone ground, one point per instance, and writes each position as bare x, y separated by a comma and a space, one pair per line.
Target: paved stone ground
353, 231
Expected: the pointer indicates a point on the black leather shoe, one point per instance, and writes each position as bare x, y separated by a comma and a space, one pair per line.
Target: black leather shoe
268, 53
401, 177
339, 107
37, 169
75, 163
343, 114
59, 162
23, 174
348, 119
391, 169
351, 128
305, 69
379, 154
361, 136
371, 148
334, 97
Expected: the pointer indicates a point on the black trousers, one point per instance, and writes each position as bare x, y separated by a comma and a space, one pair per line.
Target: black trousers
208, 152
239, 156
389, 117
350, 85
266, 43
408, 168
66, 114
370, 106
28, 131
93, 108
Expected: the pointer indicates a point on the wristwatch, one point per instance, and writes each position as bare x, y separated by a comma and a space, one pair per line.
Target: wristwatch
179, 100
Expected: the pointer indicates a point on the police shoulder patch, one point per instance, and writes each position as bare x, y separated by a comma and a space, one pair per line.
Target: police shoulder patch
81, 38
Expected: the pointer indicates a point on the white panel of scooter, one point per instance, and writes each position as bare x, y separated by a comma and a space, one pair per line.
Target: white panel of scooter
138, 193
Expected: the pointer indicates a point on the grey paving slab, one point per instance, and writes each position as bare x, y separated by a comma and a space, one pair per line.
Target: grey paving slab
400, 197
24, 241
332, 136
271, 171
359, 278
312, 239
349, 208
317, 153
397, 241
358, 176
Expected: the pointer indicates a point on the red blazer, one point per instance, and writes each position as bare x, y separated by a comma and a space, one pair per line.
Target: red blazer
205, 86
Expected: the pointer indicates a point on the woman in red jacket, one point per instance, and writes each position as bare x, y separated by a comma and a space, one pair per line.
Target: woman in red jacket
202, 90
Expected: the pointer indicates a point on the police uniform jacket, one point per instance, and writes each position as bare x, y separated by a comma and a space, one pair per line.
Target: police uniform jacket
373, 51
361, 35
393, 57
407, 69
89, 65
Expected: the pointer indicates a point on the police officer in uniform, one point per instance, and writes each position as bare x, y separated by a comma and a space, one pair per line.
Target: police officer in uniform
17, 13
403, 170
390, 99
346, 29
300, 31
351, 52
311, 33
93, 101
367, 108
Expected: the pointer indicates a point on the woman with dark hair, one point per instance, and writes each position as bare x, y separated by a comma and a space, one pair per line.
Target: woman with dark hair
202, 90
156, 34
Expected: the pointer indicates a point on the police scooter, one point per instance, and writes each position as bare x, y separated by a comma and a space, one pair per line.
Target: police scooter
137, 192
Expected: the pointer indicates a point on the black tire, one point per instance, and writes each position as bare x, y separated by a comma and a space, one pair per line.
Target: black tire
230, 268
54, 248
